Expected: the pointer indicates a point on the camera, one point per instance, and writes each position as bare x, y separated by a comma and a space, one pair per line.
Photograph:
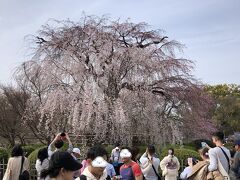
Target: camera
63, 134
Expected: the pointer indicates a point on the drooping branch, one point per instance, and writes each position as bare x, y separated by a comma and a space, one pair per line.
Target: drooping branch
105, 76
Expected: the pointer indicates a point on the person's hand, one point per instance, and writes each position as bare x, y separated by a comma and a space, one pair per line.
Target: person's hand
67, 137
151, 160
57, 137
190, 162
146, 152
116, 177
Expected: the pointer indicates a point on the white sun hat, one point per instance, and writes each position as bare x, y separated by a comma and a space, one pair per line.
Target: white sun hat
99, 162
76, 150
125, 153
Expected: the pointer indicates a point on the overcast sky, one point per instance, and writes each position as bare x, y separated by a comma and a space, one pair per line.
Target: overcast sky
210, 29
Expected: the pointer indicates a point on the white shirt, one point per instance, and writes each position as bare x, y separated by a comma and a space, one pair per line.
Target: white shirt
110, 170
147, 168
115, 155
90, 176
42, 166
186, 172
216, 152
50, 151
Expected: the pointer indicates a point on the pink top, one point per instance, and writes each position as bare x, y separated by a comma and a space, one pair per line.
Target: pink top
84, 165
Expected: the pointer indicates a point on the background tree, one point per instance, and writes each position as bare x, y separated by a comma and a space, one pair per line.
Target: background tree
110, 79
12, 107
227, 110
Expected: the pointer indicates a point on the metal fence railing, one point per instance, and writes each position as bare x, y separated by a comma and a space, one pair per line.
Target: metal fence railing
3, 167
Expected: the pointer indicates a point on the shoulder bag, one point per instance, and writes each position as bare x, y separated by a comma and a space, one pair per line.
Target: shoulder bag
159, 178
25, 174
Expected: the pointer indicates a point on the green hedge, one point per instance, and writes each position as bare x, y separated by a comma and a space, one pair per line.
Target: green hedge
181, 153
4, 153
28, 150
108, 148
229, 145
182, 150
33, 156
196, 144
32, 160
35, 148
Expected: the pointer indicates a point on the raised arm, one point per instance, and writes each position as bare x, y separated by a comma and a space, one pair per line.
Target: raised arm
143, 160
70, 145
50, 151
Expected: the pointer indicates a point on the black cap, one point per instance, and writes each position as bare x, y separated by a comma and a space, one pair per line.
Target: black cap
237, 142
64, 160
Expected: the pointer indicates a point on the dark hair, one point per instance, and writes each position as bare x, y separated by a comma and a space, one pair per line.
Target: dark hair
59, 143
135, 153
172, 151
219, 136
194, 161
204, 152
151, 149
96, 151
42, 154
51, 172
60, 160
17, 151
232, 153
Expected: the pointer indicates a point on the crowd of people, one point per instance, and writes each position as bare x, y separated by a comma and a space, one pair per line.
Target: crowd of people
125, 163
